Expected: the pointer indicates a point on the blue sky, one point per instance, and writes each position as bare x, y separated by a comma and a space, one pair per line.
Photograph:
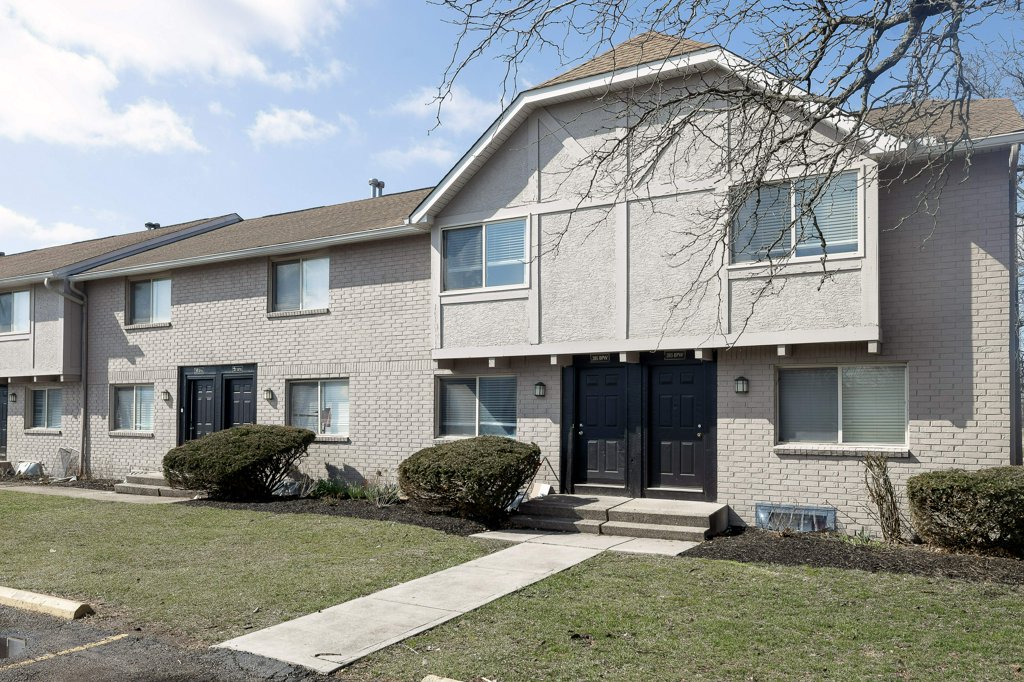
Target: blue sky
114, 113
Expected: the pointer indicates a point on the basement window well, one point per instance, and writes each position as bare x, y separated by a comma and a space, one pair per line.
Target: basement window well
794, 517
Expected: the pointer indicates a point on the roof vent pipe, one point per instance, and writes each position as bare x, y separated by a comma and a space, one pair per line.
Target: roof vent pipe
152, 226
376, 188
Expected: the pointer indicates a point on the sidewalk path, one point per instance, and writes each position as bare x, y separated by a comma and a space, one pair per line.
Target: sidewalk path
333, 638
86, 494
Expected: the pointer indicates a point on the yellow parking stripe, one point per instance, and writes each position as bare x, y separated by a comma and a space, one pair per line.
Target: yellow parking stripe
75, 650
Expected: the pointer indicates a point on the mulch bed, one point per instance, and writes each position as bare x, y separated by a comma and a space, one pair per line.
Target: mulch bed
758, 546
87, 483
397, 513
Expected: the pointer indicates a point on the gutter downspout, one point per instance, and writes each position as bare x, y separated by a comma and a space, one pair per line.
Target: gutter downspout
68, 291
1015, 350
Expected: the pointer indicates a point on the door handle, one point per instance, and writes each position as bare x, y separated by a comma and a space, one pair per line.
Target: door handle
700, 432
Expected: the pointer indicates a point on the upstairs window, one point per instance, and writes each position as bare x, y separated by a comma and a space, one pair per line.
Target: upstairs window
847, 404
801, 212
133, 408
488, 255
478, 406
47, 407
150, 302
14, 312
302, 284
320, 406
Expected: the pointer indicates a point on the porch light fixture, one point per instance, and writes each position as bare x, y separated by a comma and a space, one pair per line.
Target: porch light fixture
268, 394
742, 385
13, 397
539, 389
165, 395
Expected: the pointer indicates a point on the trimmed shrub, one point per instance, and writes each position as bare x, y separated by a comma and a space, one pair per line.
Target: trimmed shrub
475, 478
240, 463
970, 510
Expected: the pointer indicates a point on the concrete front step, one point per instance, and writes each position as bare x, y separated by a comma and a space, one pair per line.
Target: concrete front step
654, 531
146, 478
154, 490
714, 517
565, 525
572, 506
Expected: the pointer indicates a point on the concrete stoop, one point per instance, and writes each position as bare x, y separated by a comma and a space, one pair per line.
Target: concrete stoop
635, 517
152, 483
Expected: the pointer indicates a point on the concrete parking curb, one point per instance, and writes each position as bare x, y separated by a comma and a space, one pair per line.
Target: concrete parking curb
43, 603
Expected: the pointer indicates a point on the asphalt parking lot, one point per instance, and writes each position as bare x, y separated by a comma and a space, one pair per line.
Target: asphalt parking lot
98, 651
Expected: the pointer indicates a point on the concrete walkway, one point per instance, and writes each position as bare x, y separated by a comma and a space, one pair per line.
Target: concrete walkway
611, 543
86, 494
330, 639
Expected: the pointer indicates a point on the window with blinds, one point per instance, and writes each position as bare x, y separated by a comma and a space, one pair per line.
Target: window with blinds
14, 312
472, 406
47, 407
488, 255
301, 284
321, 406
845, 404
150, 301
133, 408
803, 213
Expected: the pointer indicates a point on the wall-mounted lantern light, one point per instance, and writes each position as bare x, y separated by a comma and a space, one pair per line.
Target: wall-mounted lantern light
268, 394
165, 395
742, 385
539, 389
13, 397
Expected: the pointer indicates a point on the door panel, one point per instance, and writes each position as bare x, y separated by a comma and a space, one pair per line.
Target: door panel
202, 411
677, 424
602, 430
3, 419
241, 403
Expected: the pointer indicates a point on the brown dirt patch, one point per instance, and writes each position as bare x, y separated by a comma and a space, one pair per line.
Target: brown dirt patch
397, 513
829, 551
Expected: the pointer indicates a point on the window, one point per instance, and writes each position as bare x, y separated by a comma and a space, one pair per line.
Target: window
46, 408
489, 255
775, 217
301, 284
850, 404
150, 301
320, 406
133, 408
14, 312
478, 406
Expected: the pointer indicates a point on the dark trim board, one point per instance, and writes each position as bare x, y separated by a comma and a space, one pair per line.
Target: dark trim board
637, 435
220, 377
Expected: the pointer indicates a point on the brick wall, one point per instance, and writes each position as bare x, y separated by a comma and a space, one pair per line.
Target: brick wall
43, 445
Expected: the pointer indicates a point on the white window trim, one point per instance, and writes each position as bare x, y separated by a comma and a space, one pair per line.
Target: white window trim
135, 401
20, 333
791, 256
319, 405
302, 286
527, 254
129, 322
476, 414
839, 416
30, 410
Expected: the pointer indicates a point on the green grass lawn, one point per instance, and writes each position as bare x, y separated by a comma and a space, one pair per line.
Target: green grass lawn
620, 617
209, 573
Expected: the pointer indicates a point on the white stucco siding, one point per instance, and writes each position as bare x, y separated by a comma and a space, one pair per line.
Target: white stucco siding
804, 301
485, 323
505, 180
577, 265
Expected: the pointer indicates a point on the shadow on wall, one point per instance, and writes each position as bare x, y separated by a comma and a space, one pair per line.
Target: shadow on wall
344, 473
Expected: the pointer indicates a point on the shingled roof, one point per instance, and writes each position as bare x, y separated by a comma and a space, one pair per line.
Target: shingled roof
364, 215
45, 261
643, 49
940, 119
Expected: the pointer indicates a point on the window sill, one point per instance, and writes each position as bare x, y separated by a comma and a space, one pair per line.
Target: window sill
840, 450
332, 438
147, 325
15, 336
486, 294
297, 313
796, 266
42, 432
130, 434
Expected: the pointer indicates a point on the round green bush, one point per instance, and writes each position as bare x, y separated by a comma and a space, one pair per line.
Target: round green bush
240, 463
970, 510
476, 478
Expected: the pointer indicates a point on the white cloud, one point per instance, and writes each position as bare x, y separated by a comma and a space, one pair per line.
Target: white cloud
284, 126
218, 109
435, 152
461, 112
20, 232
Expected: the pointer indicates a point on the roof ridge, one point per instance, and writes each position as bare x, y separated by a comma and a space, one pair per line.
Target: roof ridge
342, 203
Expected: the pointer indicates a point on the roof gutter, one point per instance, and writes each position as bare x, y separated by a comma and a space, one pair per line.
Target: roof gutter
256, 251
1015, 353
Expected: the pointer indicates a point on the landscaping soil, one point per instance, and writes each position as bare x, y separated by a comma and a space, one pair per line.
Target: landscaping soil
829, 551
398, 513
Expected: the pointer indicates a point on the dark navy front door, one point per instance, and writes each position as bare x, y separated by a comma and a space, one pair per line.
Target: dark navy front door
678, 420
215, 398
601, 430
